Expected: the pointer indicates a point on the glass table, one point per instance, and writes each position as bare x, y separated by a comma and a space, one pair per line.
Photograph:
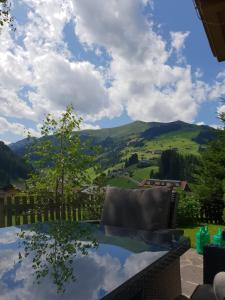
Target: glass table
104, 263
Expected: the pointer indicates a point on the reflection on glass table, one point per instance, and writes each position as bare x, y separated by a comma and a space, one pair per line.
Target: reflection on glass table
63, 260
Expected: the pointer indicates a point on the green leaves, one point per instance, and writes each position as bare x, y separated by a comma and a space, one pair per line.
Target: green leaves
5, 16
59, 158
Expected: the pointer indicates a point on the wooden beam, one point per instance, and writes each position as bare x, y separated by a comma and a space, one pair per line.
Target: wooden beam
212, 14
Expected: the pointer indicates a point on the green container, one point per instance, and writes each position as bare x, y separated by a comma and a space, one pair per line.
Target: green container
202, 239
218, 238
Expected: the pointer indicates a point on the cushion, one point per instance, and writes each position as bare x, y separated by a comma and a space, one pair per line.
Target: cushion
147, 209
219, 285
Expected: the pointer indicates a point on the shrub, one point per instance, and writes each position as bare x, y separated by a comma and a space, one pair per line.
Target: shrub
188, 209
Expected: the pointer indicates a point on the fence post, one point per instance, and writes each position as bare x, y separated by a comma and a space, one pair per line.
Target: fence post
57, 209
63, 208
32, 210
69, 207
51, 208
25, 210
39, 209
46, 209
2, 213
9, 211
17, 210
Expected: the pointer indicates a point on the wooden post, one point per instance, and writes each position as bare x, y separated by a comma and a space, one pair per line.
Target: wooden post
77, 215
46, 210
57, 208
74, 217
2, 213
39, 210
25, 209
9, 211
69, 207
63, 210
32, 210
17, 210
51, 208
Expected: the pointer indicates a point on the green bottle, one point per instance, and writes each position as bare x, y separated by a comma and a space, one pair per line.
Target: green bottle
206, 236
199, 240
218, 239
202, 239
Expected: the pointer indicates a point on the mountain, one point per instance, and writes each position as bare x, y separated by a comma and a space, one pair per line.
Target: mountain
12, 166
146, 139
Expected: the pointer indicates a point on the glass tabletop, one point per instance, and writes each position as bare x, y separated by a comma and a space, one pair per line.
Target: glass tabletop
75, 261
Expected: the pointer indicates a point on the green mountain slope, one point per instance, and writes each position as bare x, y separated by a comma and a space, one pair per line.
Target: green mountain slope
147, 139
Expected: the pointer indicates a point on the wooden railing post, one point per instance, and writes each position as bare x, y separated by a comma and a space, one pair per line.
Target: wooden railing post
46, 209
25, 210
9, 211
51, 208
17, 210
69, 208
31, 210
63, 208
2, 213
39, 209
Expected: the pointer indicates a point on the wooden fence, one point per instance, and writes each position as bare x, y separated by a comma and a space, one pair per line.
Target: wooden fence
21, 210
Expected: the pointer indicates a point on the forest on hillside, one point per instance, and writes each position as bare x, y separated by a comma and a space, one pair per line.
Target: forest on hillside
12, 166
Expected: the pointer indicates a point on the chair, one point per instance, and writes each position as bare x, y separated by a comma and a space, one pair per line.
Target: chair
148, 214
143, 209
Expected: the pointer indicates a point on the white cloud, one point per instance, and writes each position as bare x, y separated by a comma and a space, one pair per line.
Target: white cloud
216, 126
101, 270
218, 88
143, 81
85, 126
178, 38
43, 65
221, 109
178, 44
40, 75
61, 82
16, 128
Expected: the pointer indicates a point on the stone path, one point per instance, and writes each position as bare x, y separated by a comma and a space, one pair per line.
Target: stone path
191, 271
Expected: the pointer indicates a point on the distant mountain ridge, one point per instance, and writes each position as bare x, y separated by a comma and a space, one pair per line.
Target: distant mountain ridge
139, 129
119, 142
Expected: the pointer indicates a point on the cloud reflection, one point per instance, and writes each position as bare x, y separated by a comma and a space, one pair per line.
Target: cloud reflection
104, 269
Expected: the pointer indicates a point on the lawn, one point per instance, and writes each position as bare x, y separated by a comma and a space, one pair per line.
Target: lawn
191, 231
143, 173
121, 182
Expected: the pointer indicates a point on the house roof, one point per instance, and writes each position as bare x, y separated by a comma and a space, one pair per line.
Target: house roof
183, 184
212, 15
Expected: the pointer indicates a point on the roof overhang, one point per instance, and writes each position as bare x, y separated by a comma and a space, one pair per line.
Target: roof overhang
212, 15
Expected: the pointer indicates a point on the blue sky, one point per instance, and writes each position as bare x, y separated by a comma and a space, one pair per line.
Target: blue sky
115, 61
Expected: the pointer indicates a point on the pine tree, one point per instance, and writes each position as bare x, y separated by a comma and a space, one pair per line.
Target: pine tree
210, 177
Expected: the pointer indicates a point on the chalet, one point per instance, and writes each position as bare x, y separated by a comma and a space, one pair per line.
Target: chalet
9, 191
148, 183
